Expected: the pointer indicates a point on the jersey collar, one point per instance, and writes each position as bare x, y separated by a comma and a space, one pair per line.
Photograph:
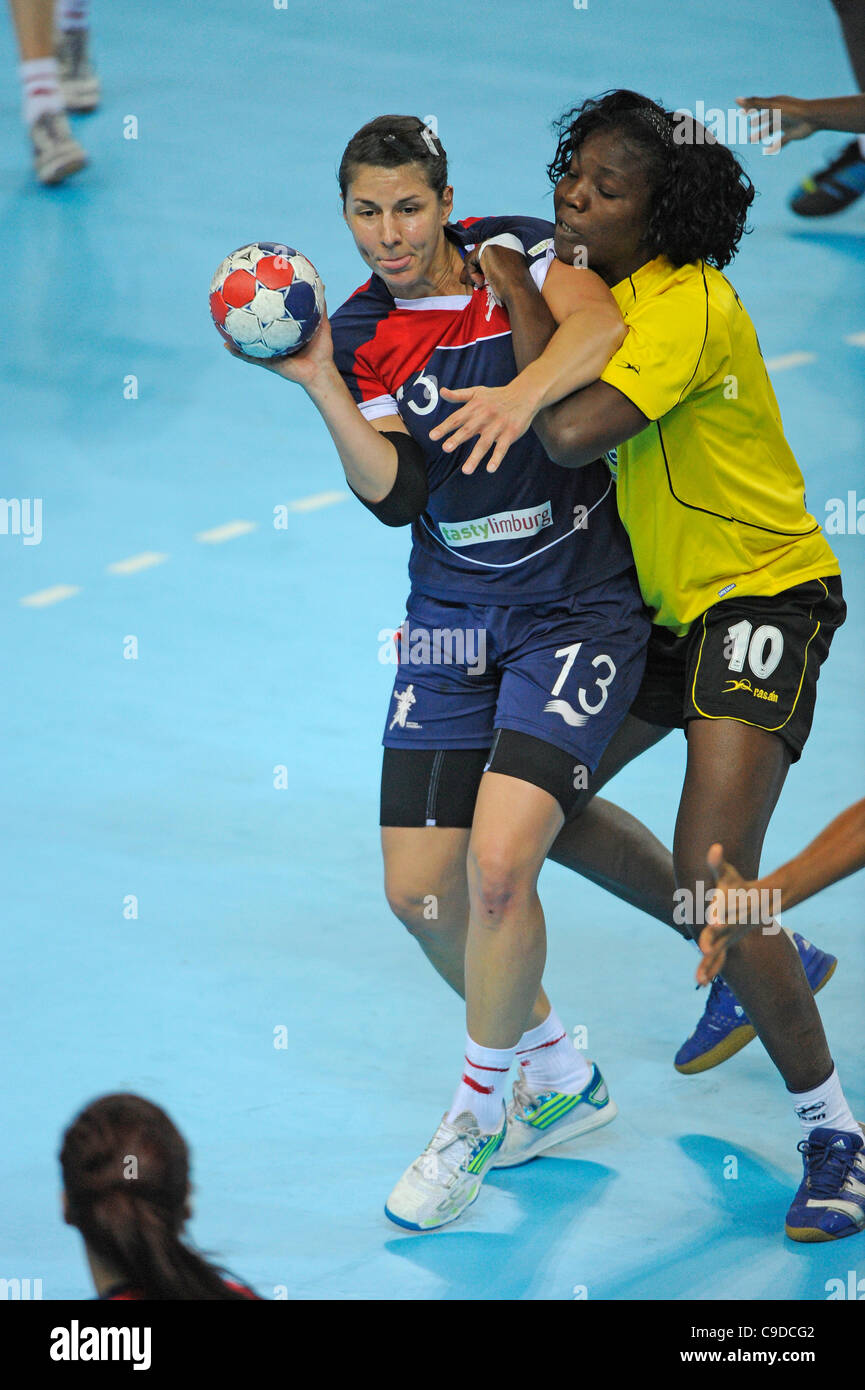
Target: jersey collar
647, 278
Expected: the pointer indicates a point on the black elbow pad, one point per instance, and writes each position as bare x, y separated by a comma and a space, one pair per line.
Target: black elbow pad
409, 495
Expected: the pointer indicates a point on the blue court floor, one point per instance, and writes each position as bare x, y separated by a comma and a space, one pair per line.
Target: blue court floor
170, 914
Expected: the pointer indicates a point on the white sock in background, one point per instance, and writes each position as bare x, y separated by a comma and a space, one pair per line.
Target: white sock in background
483, 1085
72, 14
824, 1107
549, 1060
40, 87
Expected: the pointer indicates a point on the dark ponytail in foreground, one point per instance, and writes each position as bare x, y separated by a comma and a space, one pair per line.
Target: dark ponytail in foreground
126, 1175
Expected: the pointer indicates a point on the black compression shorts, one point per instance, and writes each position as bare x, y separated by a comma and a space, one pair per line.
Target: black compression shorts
439, 786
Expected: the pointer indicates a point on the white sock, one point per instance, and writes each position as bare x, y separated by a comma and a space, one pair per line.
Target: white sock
41, 88
824, 1107
72, 14
862, 145
549, 1060
483, 1084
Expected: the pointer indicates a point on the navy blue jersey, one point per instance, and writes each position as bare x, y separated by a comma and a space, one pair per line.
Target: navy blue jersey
530, 532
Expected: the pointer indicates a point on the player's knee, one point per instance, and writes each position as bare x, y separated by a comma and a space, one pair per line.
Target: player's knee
420, 908
497, 881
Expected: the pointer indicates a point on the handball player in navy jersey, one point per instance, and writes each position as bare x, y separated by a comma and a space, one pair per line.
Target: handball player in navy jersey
529, 569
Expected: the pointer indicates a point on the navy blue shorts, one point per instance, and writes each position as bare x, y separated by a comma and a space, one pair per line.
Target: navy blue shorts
565, 672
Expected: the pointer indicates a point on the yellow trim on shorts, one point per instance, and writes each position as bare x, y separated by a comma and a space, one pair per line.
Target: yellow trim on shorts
751, 722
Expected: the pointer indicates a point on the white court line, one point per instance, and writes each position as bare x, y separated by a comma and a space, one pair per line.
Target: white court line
144, 561
792, 359
855, 339
43, 597
226, 533
318, 499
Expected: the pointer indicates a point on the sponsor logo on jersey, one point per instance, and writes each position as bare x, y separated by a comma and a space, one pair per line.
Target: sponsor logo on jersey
612, 458
539, 247
498, 526
755, 690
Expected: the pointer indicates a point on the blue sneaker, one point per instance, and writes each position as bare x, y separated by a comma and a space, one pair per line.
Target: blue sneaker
834, 188
725, 1028
830, 1203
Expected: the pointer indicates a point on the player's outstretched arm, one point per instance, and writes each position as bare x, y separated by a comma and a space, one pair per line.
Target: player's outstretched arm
838, 851
369, 460
793, 118
554, 361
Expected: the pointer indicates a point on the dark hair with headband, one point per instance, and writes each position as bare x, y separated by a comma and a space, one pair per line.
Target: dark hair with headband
390, 141
126, 1177
700, 194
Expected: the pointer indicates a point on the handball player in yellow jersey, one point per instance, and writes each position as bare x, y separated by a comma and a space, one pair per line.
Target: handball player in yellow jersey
744, 589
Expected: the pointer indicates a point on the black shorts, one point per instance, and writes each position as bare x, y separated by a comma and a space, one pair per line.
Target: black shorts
752, 659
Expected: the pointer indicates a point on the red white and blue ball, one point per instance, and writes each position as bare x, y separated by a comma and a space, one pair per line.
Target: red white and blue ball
267, 299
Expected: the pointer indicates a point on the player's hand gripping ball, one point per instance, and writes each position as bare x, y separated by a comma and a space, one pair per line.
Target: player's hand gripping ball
266, 299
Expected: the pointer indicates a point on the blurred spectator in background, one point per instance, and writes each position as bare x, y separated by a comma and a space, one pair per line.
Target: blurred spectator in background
56, 77
843, 180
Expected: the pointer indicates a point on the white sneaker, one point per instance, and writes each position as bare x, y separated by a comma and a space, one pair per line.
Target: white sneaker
78, 82
538, 1121
447, 1177
55, 154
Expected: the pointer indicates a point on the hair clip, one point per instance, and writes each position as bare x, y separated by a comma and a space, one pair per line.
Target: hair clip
429, 140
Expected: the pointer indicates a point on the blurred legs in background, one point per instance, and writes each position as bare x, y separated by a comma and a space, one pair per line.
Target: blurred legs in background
56, 77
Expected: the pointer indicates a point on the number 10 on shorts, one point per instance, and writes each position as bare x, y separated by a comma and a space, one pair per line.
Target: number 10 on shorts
739, 643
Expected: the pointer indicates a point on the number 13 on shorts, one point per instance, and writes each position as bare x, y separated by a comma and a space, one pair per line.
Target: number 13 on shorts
599, 687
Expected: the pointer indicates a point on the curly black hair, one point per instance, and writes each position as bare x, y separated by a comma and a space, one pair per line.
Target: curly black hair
700, 192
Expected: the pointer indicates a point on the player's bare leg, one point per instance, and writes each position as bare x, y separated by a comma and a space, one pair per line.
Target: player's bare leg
514, 825
56, 154
734, 776
609, 846
427, 890
34, 28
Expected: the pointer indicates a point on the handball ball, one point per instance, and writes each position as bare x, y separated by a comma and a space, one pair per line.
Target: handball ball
267, 299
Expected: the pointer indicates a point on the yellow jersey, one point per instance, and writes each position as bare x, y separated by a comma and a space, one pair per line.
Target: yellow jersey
710, 492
